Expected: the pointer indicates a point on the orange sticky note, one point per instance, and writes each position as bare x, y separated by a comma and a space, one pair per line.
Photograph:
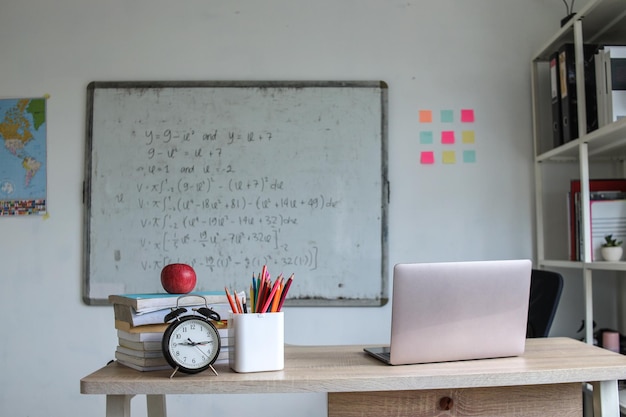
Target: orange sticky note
467, 116
426, 116
427, 158
447, 137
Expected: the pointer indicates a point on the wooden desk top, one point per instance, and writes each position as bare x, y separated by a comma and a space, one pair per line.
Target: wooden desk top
348, 368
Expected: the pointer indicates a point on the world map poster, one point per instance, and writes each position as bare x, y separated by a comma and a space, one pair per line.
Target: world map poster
23, 183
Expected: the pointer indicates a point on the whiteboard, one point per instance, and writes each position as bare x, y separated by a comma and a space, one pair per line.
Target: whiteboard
230, 176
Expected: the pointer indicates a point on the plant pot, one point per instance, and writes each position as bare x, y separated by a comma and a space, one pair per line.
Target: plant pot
611, 253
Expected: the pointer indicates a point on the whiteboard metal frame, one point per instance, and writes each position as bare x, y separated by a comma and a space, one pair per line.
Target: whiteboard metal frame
385, 189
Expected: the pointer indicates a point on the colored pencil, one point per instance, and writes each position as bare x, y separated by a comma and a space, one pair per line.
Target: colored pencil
277, 295
268, 301
230, 301
283, 296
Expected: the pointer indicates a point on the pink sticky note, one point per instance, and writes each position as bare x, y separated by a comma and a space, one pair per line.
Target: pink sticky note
467, 116
427, 158
447, 137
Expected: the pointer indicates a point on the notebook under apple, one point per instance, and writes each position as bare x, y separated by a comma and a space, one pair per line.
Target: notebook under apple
457, 311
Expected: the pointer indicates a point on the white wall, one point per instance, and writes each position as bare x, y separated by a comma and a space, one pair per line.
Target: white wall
433, 54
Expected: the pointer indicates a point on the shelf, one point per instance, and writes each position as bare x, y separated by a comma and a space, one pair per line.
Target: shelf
604, 23
598, 266
607, 142
600, 152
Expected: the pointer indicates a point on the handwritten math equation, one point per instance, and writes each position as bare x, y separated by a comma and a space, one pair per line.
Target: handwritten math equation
192, 193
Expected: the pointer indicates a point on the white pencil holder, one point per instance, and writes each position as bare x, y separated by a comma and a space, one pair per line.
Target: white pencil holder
258, 342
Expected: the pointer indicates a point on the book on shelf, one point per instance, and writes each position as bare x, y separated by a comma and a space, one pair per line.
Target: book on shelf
599, 190
611, 84
144, 303
568, 92
594, 197
618, 85
555, 93
603, 77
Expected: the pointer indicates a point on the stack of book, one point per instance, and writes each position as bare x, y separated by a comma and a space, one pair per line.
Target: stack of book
607, 201
139, 320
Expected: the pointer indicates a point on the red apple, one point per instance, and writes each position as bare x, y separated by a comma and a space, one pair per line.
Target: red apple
178, 278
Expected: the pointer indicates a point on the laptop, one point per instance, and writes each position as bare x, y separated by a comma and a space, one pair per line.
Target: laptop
454, 311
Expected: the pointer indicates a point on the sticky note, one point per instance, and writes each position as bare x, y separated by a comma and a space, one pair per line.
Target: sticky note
426, 137
467, 136
447, 137
447, 116
469, 156
426, 116
427, 158
467, 116
449, 157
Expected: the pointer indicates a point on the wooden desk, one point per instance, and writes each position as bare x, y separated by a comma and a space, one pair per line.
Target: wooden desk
545, 381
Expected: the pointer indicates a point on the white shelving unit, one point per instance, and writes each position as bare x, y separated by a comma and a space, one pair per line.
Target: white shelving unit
601, 22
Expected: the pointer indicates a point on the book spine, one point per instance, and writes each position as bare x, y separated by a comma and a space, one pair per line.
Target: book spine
555, 92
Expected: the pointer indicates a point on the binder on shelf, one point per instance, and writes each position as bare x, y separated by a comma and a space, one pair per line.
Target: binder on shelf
616, 74
611, 84
603, 89
557, 132
569, 99
600, 189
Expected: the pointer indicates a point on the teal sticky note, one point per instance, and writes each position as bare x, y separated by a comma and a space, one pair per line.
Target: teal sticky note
447, 116
426, 137
469, 157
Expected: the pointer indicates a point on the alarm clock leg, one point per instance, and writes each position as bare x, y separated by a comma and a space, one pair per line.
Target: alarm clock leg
174, 373
213, 369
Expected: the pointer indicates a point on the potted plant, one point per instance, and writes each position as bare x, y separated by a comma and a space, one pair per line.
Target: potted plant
611, 249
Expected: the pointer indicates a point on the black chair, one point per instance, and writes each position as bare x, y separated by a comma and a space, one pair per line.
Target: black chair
545, 293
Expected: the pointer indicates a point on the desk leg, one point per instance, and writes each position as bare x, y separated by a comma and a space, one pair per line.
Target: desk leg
605, 399
118, 405
156, 406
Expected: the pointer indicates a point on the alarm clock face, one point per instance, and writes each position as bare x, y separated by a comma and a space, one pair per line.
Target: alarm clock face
191, 344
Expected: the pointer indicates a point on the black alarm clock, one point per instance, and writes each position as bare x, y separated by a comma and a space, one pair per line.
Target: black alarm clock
191, 343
